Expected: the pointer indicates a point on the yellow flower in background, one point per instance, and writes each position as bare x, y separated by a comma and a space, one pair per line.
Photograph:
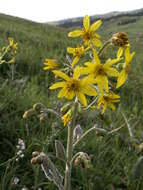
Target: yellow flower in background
100, 71
12, 44
50, 64
66, 118
107, 100
77, 53
88, 34
124, 73
73, 86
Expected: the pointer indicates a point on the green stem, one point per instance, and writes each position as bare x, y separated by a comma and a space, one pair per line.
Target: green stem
69, 151
104, 46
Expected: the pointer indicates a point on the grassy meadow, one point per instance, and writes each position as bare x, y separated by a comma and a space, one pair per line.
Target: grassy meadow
113, 156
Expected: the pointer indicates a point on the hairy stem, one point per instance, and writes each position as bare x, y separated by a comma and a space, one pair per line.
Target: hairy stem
104, 46
69, 151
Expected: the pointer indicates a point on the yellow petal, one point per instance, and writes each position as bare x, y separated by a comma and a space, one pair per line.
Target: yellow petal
121, 78
111, 62
46, 68
81, 97
96, 58
102, 82
75, 33
104, 107
95, 25
76, 73
97, 42
120, 52
110, 105
90, 91
111, 72
61, 74
83, 70
70, 94
75, 61
62, 93
86, 22
57, 85
70, 50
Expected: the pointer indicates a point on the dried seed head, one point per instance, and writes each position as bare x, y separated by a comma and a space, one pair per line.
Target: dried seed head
37, 107
35, 153
34, 161
120, 39
28, 113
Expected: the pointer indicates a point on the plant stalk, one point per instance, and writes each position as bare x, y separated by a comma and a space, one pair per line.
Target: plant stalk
69, 151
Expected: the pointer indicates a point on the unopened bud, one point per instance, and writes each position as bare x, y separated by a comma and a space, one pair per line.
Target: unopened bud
65, 108
28, 113
34, 161
120, 66
83, 160
39, 159
120, 39
67, 117
37, 107
35, 153
77, 132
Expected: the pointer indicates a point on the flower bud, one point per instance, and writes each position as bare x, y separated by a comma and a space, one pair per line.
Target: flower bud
34, 161
67, 117
120, 39
65, 108
37, 107
35, 153
83, 160
77, 132
28, 113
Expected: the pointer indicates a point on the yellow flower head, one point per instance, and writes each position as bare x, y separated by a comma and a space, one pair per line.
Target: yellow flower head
77, 53
66, 118
108, 100
88, 32
12, 44
74, 86
100, 71
50, 64
124, 73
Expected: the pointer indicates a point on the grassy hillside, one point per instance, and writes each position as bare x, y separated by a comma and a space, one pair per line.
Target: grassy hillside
113, 157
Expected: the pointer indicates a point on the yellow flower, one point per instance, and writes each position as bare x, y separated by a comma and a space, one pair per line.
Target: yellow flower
66, 118
50, 64
12, 44
88, 32
77, 53
73, 86
108, 100
100, 71
124, 73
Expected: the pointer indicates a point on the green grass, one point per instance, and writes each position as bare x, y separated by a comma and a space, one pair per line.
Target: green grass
112, 157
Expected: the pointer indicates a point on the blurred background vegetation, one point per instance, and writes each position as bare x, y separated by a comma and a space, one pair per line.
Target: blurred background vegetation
112, 157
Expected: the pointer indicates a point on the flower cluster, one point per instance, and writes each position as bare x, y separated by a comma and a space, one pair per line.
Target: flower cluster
20, 149
96, 77
7, 52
